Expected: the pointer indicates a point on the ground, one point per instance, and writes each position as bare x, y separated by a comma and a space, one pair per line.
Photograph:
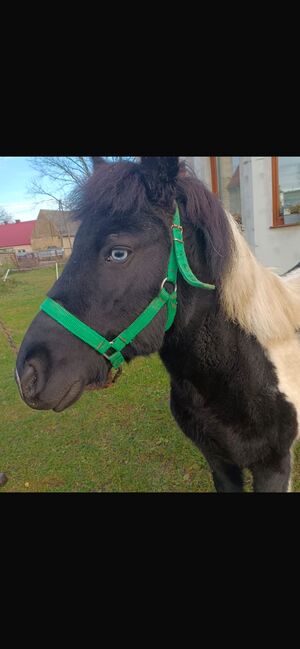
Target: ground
122, 439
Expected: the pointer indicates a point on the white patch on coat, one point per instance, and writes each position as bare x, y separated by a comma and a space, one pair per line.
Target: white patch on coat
268, 307
262, 303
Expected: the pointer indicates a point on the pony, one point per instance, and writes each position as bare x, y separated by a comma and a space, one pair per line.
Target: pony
232, 353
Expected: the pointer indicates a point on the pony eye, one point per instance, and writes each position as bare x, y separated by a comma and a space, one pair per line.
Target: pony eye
119, 255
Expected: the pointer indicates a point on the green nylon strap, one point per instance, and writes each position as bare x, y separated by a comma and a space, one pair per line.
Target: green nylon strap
98, 342
117, 359
172, 308
172, 275
181, 257
172, 272
143, 320
75, 326
79, 329
177, 262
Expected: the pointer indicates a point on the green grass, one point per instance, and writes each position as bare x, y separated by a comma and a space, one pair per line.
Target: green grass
122, 439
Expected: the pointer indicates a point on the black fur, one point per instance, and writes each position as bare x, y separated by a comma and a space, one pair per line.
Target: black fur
161, 170
224, 390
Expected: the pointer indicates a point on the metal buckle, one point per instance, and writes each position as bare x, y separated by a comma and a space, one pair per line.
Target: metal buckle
168, 281
111, 349
180, 228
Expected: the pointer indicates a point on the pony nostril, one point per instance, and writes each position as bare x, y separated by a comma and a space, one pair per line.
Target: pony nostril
29, 382
32, 380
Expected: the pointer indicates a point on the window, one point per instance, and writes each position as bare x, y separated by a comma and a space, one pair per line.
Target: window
225, 176
286, 190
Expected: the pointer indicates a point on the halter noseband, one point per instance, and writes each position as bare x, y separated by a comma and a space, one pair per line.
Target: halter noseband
112, 351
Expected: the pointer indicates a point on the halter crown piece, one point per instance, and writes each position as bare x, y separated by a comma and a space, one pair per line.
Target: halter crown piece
112, 351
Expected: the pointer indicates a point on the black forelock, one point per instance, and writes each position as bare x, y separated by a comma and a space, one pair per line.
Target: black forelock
112, 189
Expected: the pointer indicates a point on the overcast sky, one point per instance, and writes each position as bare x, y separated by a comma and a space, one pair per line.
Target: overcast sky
15, 175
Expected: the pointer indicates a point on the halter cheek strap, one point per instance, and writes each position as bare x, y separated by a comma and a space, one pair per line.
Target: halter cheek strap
181, 257
112, 350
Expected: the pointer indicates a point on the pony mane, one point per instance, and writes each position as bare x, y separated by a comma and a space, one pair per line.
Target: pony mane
262, 303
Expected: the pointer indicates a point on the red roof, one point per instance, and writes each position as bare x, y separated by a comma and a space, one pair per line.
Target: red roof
16, 234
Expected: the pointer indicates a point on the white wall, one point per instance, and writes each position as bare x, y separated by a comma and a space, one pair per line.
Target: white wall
275, 247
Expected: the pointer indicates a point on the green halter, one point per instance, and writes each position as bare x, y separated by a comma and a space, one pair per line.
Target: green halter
112, 351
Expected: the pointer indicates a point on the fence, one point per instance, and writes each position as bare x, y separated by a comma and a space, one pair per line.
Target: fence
29, 260
7, 260
38, 259
23, 262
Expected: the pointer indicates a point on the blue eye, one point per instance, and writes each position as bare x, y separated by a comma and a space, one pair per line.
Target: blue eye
119, 255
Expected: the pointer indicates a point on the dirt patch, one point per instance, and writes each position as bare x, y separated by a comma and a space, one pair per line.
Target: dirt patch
9, 337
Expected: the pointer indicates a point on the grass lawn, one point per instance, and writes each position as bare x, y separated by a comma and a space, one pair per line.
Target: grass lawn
122, 439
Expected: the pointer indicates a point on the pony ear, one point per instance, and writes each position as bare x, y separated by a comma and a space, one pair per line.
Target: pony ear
163, 169
97, 161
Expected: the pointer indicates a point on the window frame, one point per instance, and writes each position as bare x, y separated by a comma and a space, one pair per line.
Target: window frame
214, 175
278, 220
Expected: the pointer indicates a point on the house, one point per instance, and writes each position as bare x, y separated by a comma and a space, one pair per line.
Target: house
52, 229
64, 224
263, 193
16, 237
28, 236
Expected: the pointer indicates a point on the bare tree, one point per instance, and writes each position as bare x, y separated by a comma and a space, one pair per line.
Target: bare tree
5, 217
59, 176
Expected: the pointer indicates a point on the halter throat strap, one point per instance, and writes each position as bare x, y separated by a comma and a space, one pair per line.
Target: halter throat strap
112, 350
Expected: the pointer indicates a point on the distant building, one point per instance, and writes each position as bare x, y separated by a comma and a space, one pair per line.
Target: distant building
52, 229
29, 236
17, 237
64, 224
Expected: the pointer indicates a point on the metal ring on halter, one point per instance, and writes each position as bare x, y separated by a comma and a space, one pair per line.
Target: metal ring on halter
168, 281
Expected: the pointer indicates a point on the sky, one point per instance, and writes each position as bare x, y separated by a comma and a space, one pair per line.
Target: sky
15, 176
